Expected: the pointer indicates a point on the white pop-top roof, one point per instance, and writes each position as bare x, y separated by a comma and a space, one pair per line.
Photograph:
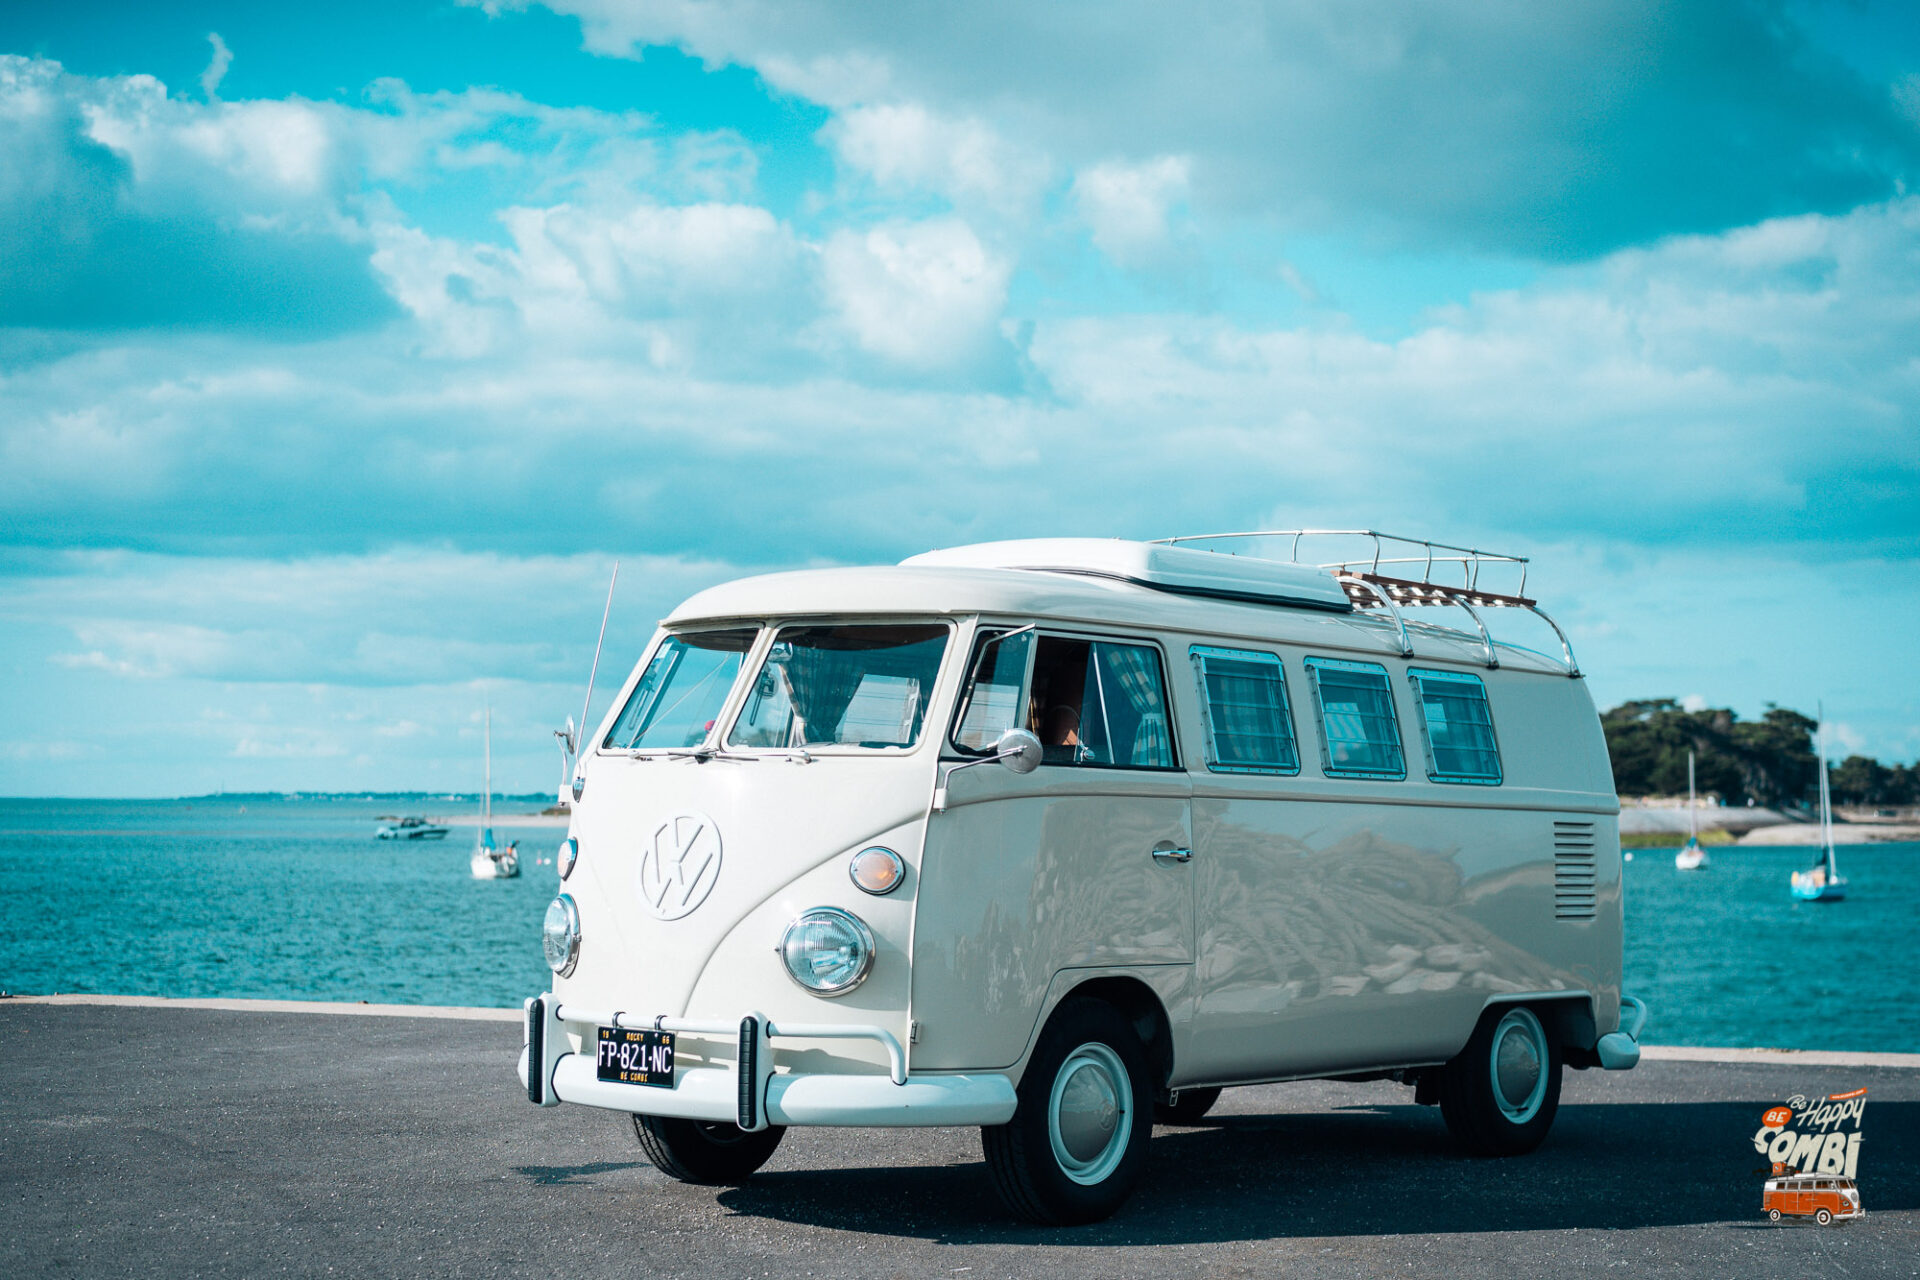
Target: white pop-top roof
1180, 570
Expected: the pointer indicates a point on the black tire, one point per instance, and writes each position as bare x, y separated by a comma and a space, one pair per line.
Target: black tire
1469, 1103
703, 1152
1086, 1045
1189, 1106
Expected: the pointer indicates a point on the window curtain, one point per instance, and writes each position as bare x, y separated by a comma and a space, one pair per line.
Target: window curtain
823, 682
1138, 677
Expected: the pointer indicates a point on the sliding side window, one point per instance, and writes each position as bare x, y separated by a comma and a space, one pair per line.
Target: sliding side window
1359, 731
1458, 727
1099, 704
1243, 700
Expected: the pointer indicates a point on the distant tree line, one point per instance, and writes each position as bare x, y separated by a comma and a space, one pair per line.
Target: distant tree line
1769, 761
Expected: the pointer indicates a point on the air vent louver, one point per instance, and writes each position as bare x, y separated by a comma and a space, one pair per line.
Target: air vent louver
1574, 871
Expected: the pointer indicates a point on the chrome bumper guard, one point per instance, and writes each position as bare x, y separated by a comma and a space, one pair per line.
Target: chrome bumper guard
753, 1096
1620, 1050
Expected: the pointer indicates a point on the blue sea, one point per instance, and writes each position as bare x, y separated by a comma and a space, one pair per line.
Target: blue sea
295, 899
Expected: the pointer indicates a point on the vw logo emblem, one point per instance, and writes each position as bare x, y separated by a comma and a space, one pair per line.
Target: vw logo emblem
679, 865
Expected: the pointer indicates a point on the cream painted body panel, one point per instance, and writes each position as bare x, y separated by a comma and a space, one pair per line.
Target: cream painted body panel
1348, 924
1027, 876
786, 833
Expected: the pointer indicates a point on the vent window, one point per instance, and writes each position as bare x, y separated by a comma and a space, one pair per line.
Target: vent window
1359, 730
1574, 871
1457, 727
1243, 700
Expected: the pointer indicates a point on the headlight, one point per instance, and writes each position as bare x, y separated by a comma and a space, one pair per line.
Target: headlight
828, 951
877, 869
569, 853
560, 935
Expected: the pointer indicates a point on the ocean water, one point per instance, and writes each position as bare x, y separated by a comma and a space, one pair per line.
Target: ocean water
273, 899
297, 900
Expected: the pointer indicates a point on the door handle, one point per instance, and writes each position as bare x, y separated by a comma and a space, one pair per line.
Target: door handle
1165, 853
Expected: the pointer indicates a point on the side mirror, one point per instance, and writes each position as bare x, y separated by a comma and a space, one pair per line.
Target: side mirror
1019, 750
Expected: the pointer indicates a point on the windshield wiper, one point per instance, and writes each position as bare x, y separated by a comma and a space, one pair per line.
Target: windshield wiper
798, 755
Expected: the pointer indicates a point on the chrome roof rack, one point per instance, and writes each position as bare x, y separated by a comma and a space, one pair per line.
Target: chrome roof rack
1368, 588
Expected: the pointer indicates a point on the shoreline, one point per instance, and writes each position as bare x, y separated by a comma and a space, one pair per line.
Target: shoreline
468, 1013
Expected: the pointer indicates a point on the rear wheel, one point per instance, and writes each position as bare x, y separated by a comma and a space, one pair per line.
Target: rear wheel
1185, 1106
1499, 1096
1077, 1142
1773, 1215
705, 1152
1823, 1217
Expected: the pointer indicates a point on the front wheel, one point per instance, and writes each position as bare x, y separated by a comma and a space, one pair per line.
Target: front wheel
1077, 1142
705, 1152
1499, 1096
1823, 1217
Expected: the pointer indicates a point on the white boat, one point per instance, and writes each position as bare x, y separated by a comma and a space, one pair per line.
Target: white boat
1691, 856
490, 862
1822, 882
411, 828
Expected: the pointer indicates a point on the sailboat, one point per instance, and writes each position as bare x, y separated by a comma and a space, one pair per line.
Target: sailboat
1691, 856
1822, 882
489, 862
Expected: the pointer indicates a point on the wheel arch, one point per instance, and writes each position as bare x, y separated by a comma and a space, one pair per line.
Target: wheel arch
1133, 994
1567, 1016
1142, 1007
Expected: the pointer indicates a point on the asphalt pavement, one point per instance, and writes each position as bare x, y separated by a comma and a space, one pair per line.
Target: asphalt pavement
177, 1141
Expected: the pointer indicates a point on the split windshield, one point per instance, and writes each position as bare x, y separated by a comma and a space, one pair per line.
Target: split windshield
682, 690
852, 686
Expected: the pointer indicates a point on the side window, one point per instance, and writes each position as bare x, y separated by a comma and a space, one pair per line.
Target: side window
1243, 700
1457, 726
1100, 704
1359, 732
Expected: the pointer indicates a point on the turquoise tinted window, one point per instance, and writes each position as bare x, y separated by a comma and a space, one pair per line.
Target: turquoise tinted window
1244, 702
681, 691
1458, 726
1359, 732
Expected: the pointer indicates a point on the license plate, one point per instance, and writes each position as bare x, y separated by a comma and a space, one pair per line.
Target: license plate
636, 1057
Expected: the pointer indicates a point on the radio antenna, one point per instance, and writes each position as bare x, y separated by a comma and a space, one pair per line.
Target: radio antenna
580, 745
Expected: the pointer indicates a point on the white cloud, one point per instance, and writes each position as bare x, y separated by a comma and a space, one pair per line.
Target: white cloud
216, 66
1127, 205
905, 147
925, 295
1503, 126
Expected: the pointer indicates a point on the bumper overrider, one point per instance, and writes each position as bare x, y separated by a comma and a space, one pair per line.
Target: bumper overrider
752, 1094
1620, 1050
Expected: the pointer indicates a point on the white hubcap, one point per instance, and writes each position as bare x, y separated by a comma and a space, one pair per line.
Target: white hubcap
1518, 1065
1089, 1114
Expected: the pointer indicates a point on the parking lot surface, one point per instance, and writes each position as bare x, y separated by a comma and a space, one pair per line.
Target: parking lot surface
179, 1141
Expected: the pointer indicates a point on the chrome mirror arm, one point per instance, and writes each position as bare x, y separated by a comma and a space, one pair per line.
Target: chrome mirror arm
1018, 749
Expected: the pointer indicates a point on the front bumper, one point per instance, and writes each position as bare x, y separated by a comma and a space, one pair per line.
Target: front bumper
752, 1094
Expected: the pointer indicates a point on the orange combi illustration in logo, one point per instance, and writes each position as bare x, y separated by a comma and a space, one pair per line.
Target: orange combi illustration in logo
1813, 1163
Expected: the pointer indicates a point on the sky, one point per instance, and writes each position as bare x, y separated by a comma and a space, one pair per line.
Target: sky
345, 349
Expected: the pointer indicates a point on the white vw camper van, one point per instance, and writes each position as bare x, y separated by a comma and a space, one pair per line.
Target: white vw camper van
1055, 837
